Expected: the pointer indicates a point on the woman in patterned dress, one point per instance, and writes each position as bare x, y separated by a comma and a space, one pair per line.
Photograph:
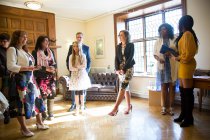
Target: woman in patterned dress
124, 63
45, 77
27, 101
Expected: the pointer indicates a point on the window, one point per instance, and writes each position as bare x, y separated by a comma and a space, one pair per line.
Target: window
172, 17
144, 32
139, 55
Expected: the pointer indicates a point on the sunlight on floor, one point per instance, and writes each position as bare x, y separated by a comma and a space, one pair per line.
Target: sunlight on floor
70, 116
58, 107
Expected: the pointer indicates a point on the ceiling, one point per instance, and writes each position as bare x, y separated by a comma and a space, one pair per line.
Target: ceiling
83, 10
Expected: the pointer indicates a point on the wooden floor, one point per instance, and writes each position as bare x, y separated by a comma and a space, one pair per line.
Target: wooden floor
145, 123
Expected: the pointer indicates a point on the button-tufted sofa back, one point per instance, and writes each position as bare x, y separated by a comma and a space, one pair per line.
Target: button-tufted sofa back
109, 79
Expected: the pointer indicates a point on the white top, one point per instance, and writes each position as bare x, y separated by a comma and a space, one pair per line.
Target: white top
16, 61
173, 63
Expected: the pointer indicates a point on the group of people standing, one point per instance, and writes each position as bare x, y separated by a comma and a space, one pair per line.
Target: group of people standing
35, 74
178, 64
181, 66
31, 76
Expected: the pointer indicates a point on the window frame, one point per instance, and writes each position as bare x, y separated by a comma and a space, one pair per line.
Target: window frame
145, 39
121, 17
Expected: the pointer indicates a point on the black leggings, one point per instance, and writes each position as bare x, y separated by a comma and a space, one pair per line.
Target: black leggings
79, 92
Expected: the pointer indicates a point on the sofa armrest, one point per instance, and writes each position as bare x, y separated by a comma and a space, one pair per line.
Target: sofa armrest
64, 81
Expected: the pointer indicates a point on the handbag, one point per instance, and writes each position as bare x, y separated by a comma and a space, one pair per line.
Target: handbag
12, 87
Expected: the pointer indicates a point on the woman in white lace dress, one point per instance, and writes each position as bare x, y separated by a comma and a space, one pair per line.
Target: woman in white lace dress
79, 80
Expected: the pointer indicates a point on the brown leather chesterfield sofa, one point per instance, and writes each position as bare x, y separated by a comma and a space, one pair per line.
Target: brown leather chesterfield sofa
104, 86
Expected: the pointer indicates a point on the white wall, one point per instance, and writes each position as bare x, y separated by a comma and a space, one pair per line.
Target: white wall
101, 27
65, 35
104, 26
200, 11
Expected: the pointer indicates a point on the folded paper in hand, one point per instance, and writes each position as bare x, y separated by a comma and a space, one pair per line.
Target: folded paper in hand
164, 49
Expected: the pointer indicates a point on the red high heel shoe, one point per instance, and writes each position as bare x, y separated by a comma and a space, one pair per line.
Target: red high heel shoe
129, 110
113, 113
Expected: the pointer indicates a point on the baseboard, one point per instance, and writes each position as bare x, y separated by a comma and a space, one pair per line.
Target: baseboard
139, 94
177, 99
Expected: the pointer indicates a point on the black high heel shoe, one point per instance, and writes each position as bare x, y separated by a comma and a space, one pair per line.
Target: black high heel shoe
187, 122
179, 119
129, 110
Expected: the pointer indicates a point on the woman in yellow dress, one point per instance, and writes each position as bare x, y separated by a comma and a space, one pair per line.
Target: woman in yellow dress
187, 44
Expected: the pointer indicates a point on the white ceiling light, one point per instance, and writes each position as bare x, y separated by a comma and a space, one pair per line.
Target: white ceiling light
34, 5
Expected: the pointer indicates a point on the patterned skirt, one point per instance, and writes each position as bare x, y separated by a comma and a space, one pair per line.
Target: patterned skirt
124, 79
47, 85
29, 101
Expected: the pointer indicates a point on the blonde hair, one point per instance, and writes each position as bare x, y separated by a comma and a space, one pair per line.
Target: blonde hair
75, 43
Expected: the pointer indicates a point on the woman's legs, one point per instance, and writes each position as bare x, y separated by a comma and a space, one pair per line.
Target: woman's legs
164, 92
182, 113
44, 114
50, 104
120, 97
39, 119
189, 102
39, 122
171, 97
77, 102
128, 101
82, 100
22, 123
124, 84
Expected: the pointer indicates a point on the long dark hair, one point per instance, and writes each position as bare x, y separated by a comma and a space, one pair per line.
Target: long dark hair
4, 36
186, 22
15, 37
39, 41
169, 29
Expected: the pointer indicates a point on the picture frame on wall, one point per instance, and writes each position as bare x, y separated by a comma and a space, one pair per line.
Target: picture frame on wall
99, 47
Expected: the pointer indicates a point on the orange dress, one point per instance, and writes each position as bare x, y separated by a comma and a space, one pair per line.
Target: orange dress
187, 50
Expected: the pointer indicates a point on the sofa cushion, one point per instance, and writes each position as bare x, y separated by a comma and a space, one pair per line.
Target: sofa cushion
93, 89
107, 89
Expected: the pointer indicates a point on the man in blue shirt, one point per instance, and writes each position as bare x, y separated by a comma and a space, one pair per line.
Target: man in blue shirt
86, 51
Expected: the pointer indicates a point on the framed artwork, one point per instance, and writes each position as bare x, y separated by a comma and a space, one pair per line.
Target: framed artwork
99, 48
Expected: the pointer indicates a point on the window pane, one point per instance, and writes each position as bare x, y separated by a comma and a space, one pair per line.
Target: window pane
172, 18
152, 24
136, 29
151, 67
139, 57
